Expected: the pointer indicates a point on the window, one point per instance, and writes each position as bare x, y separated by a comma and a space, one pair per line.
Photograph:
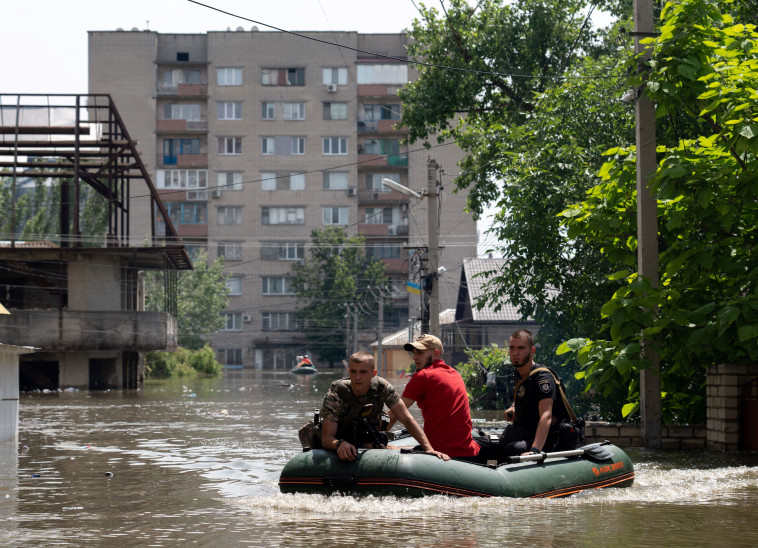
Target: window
189, 179
233, 322
334, 215
280, 321
374, 181
334, 145
267, 111
187, 213
298, 145
230, 145
383, 251
174, 77
274, 285
282, 251
229, 215
381, 146
229, 180
372, 113
334, 76
181, 112
294, 111
182, 56
230, 251
229, 77
267, 145
283, 215
383, 74
230, 356
234, 285
335, 180
297, 181
335, 111
379, 216
174, 147
268, 181
230, 110
282, 181
283, 77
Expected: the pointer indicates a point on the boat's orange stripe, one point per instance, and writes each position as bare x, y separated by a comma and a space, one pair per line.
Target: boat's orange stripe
577, 488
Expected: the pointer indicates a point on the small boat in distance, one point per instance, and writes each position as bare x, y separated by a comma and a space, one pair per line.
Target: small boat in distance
304, 366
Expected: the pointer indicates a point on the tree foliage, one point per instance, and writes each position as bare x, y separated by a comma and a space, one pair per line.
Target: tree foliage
183, 363
202, 295
705, 309
37, 213
534, 122
335, 275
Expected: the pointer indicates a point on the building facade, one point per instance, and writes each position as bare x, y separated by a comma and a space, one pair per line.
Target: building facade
255, 139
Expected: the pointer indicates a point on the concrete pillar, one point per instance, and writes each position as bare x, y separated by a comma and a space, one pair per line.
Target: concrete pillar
9, 390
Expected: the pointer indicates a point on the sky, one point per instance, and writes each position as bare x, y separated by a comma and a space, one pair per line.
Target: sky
44, 42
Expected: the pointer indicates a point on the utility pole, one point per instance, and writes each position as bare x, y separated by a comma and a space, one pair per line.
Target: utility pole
647, 226
432, 195
379, 335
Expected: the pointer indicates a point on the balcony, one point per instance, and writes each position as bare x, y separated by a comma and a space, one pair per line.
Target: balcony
72, 330
182, 90
181, 126
379, 126
379, 160
383, 229
183, 160
378, 90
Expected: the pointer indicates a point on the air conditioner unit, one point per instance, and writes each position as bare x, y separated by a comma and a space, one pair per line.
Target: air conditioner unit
351, 191
247, 318
216, 193
331, 88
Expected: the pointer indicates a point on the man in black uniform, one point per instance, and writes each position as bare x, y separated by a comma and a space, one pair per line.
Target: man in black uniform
536, 408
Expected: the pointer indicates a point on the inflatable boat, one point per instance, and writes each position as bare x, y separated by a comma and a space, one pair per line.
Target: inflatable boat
407, 473
304, 370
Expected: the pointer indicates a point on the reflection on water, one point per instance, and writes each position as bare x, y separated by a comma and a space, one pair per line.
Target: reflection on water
198, 462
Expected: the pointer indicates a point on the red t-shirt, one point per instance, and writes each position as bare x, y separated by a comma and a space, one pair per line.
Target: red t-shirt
441, 395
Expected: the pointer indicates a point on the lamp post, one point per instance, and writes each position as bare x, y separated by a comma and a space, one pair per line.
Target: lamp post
432, 196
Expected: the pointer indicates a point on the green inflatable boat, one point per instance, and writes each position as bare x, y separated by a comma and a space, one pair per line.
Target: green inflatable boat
408, 473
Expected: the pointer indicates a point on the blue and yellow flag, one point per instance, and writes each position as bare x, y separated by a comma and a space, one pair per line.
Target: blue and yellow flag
413, 287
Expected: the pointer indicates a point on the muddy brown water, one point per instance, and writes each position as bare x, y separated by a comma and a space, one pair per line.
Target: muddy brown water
196, 462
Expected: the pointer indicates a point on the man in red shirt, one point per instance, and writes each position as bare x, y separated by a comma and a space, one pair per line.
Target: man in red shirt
442, 398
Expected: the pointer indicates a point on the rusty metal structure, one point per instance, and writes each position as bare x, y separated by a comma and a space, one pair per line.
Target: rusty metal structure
80, 299
79, 139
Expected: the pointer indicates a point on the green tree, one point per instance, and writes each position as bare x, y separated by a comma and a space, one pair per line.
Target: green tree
336, 274
183, 363
534, 122
202, 295
705, 310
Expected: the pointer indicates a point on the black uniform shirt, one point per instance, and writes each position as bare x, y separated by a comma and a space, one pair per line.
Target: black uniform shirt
537, 387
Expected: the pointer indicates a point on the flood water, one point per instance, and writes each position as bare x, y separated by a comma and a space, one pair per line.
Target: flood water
197, 462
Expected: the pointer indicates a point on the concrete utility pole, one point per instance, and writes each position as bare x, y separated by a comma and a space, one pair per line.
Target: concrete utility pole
432, 195
647, 227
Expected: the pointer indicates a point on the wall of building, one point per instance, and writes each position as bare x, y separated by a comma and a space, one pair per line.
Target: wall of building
252, 52
94, 283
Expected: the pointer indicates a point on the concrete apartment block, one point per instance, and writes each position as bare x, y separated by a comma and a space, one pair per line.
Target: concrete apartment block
255, 139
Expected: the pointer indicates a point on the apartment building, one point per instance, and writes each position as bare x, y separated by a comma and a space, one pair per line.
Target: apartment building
254, 139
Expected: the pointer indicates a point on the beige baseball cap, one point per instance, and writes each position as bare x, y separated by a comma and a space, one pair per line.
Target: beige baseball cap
424, 342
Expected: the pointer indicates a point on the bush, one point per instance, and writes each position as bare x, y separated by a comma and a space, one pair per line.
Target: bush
182, 363
492, 364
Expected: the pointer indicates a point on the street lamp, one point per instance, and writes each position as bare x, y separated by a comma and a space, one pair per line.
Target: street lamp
432, 196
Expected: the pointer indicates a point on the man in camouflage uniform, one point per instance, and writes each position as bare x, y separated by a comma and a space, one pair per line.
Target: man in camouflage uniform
363, 395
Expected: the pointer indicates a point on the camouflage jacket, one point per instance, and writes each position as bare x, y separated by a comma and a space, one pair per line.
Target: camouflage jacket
344, 407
